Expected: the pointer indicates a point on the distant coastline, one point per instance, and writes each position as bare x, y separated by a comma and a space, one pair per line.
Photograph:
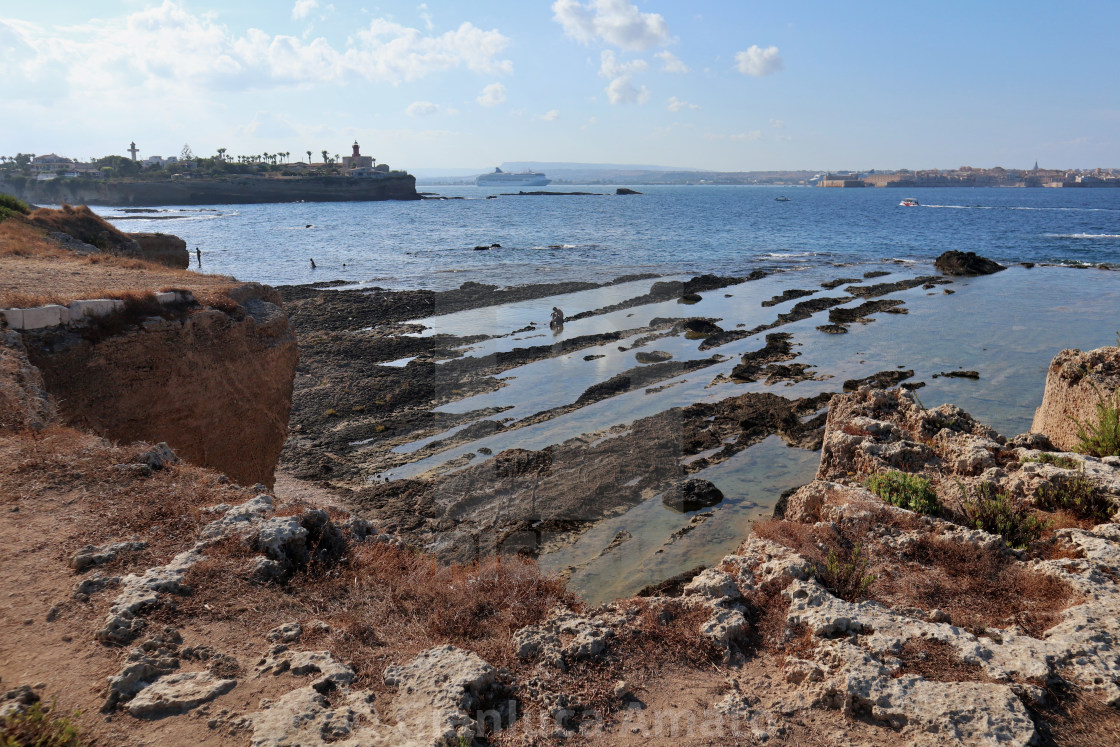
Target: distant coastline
239, 189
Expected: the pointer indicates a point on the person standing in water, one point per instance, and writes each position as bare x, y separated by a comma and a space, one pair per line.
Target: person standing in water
198, 254
312, 263
557, 318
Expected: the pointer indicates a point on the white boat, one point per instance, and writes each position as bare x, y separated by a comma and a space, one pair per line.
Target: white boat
909, 202
508, 179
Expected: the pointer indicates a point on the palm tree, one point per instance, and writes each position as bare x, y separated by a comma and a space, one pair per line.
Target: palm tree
326, 158
308, 158
221, 154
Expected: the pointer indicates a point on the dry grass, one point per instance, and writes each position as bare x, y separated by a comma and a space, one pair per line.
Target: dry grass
937, 661
1074, 718
162, 509
384, 603
661, 640
35, 270
978, 588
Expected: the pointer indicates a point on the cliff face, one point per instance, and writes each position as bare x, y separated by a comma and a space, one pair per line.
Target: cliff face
216, 386
162, 248
1075, 383
224, 191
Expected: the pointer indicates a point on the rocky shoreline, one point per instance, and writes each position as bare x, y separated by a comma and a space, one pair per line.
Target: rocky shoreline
933, 582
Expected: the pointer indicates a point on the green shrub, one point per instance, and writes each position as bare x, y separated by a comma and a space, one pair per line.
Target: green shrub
1062, 462
846, 579
994, 511
1102, 438
35, 728
1077, 495
10, 206
912, 492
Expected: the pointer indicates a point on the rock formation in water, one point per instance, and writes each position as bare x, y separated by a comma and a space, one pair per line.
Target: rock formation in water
954, 262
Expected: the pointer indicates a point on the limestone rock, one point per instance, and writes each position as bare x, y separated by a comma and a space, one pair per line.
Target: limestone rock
306, 718
178, 693
90, 556
439, 692
333, 673
1075, 383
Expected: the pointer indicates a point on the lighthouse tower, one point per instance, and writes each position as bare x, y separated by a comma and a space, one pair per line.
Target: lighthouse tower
357, 160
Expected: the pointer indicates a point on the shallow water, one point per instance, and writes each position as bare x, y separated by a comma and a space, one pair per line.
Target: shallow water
1004, 326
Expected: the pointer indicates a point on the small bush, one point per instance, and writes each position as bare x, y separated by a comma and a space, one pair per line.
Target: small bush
849, 579
996, 512
1061, 462
1077, 495
10, 206
912, 492
35, 728
1102, 438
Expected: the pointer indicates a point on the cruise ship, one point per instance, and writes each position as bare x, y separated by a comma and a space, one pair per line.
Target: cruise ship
507, 179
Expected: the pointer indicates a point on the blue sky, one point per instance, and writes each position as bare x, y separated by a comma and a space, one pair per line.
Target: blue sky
453, 85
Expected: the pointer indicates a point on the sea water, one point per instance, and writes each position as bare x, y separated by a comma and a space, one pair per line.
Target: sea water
670, 229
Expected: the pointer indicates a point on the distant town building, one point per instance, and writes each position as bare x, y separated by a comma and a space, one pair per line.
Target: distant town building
159, 161
50, 164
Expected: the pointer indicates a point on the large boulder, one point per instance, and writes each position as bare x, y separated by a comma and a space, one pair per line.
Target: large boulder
953, 262
1075, 383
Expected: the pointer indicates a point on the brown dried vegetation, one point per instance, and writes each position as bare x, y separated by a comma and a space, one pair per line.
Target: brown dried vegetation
1073, 718
937, 661
979, 588
384, 603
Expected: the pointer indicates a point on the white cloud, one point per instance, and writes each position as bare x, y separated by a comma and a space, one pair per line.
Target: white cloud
302, 9
616, 22
670, 63
622, 91
676, 105
611, 67
422, 109
777, 124
551, 115
492, 95
425, 16
758, 62
168, 52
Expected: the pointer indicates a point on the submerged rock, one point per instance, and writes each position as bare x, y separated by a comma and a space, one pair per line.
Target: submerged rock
692, 495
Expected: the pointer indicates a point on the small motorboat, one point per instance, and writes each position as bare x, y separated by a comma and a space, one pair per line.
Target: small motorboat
782, 198
909, 202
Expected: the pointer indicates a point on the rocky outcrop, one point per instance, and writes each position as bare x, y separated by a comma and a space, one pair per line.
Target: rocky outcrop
218, 191
954, 262
215, 385
1075, 383
162, 248
24, 401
